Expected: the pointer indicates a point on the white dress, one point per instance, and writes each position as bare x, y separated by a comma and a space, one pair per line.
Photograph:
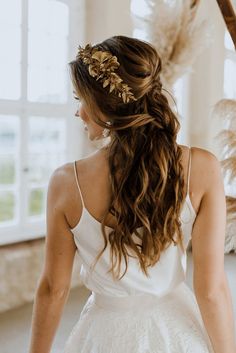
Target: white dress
138, 314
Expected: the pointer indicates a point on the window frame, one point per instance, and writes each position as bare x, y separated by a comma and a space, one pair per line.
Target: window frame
25, 228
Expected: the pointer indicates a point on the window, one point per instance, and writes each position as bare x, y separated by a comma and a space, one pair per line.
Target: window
35, 101
140, 9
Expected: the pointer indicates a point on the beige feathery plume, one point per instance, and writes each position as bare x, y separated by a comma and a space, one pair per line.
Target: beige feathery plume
173, 28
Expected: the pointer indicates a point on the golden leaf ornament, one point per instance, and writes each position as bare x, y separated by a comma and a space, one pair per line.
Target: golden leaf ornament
101, 66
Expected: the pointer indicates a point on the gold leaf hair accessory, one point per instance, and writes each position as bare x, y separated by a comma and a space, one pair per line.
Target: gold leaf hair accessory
101, 65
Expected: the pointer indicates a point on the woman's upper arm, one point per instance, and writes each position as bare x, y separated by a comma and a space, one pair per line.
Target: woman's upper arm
208, 234
59, 247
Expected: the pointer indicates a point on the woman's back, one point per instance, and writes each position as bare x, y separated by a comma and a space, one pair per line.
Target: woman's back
93, 175
165, 288
90, 184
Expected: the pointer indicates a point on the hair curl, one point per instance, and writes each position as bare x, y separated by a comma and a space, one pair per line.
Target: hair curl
146, 175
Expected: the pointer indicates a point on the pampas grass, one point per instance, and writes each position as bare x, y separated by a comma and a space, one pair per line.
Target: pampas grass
172, 27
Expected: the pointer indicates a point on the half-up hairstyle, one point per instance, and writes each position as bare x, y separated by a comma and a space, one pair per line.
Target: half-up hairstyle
146, 174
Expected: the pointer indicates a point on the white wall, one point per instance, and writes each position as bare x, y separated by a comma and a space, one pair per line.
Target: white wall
206, 84
106, 18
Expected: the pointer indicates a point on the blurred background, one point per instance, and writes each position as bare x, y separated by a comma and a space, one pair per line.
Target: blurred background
38, 131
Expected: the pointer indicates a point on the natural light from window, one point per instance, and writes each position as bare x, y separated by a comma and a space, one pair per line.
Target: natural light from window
34, 106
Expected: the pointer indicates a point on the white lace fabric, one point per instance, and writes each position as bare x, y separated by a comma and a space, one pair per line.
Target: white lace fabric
171, 325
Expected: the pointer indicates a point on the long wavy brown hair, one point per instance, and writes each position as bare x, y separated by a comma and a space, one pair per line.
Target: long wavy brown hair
146, 175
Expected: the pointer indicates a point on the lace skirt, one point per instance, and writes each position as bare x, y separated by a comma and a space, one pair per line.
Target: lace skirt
140, 324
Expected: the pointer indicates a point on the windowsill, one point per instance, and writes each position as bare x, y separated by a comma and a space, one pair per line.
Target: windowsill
14, 235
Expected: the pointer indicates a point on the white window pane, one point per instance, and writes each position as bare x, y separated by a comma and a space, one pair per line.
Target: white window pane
228, 41
7, 206
49, 16
47, 51
139, 8
139, 34
47, 147
10, 39
42, 165
47, 134
9, 133
10, 12
229, 78
7, 169
10, 81
47, 85
10, 57
36, 202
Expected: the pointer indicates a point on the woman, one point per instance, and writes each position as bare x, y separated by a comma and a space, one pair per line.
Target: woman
127, 210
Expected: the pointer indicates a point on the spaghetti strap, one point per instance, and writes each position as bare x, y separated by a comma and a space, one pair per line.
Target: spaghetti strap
189, 168
77, 182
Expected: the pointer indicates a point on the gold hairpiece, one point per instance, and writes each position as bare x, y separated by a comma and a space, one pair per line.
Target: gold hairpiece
101, 65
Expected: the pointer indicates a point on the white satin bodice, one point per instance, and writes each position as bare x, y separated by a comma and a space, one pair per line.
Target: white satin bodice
164, 276
167, 273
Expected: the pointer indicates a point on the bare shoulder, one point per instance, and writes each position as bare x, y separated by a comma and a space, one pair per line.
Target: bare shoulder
200, 155
203, 154
206, 165
59, 182
60, 175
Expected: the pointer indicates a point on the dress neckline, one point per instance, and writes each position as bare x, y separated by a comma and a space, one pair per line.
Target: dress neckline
84, 209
